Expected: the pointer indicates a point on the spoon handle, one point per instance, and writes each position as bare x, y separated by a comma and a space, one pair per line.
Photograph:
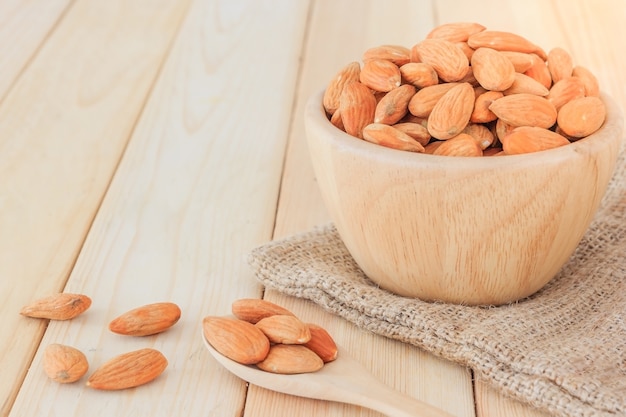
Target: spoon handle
393, 403
346, 380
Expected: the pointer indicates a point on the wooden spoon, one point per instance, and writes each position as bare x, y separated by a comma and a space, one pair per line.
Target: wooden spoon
344, 380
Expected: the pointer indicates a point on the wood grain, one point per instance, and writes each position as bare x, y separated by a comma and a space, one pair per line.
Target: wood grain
24, 26
172, 209
395, 363
145, 170
64, 125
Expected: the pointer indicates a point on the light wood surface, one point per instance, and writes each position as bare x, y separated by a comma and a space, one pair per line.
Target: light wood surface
146, 146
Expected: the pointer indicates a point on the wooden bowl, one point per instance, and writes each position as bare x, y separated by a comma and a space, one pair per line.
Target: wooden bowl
475, 231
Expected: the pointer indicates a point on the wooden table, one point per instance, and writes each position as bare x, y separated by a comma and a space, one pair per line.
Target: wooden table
146, 146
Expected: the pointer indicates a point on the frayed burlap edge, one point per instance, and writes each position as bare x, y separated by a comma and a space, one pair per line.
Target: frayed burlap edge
562, 350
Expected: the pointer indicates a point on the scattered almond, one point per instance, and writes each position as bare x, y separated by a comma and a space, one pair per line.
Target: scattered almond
62, 306
64, 364
128, 370
146, 320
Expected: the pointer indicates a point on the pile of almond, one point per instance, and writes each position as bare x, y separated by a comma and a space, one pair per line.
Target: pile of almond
271, 337
466, 91
66, 364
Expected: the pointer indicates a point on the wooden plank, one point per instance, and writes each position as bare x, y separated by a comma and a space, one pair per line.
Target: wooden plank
333, 40
586, 30
195, 191
63, 128
24, 26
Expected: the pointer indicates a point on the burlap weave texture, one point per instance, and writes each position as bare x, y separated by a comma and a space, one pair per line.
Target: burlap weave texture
562, 350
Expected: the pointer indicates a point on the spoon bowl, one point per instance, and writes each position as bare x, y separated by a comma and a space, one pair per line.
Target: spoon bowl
344, 380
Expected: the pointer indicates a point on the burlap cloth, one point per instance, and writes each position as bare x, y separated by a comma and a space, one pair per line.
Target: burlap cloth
562, 350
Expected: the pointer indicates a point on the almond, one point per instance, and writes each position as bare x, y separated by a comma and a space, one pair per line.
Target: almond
415, 130
146, 320
456, 31
291, 359
526, 139
345, 76
460, 145
254, 309
129, 370
566, 90
397, 54
236, 339
447, 59
521, 61
62, 306
582, 116
394, 105
423, 102
452, 112
391, 137
504, 41
525, 84
539, 71
481, 112
492, 70
322, 343
493, 152
357, 106
433, 146
288, 330
502, 129
481, 134
466, 49
64, 364
590, 81
525, 110
419, 74
380, 75
336, 120
559, 64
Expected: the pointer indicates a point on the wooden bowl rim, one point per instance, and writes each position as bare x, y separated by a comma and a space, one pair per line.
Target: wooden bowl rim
611, 129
